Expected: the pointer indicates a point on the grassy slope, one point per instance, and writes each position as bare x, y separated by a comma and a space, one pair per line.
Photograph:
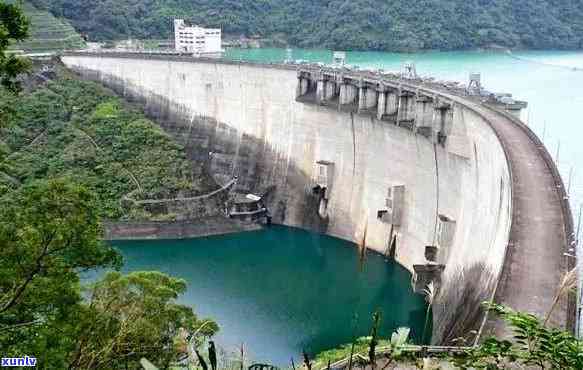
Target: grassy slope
48, 33
82, 130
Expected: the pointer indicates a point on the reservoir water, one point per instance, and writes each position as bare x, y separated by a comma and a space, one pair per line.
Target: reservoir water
281, 290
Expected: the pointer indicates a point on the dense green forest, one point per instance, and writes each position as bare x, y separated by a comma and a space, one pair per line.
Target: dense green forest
83, 131
65, 149
343, 24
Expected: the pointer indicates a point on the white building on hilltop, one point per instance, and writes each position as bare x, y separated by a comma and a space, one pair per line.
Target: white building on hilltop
197, 40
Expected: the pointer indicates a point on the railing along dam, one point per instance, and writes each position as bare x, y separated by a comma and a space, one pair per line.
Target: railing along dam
453, 189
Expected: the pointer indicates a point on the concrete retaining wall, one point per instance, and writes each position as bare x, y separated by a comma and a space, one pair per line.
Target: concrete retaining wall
247, 118
207, 226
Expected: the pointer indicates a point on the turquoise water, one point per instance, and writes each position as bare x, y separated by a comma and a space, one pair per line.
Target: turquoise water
546, 79
282, 290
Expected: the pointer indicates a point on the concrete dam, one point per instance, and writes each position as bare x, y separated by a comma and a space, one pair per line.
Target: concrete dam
459, 192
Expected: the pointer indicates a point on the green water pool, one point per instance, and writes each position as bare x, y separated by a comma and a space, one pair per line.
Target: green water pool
282, 290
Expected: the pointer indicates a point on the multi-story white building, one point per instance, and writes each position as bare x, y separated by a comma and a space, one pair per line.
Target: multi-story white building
197, 40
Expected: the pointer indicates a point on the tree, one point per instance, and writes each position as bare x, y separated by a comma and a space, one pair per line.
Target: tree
49, 232
13, 27
132, 317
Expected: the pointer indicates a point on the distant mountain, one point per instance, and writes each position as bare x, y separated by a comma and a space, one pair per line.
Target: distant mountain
343, 24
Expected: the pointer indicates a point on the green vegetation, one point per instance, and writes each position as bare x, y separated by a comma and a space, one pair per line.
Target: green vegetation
47, 33
69, 152
63, 151
342, 24
134, 316
49, 232
533, 345
356, 352
13, 28
83, 131
361, 345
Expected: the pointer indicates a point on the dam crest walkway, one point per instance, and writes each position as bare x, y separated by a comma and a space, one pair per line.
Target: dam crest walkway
542, 226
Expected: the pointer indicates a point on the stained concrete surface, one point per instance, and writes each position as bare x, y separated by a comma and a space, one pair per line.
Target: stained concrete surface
535, 262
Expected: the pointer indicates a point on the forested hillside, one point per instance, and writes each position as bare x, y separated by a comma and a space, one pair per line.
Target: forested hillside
80, 130
343, 24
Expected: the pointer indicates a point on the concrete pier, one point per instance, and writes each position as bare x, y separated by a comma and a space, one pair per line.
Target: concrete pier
425, 115
368, 98
382, 104
406, 109
329, 90
392, 103
348, 94
321, 91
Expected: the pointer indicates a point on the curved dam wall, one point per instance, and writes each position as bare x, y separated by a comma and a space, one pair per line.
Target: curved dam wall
450, 186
